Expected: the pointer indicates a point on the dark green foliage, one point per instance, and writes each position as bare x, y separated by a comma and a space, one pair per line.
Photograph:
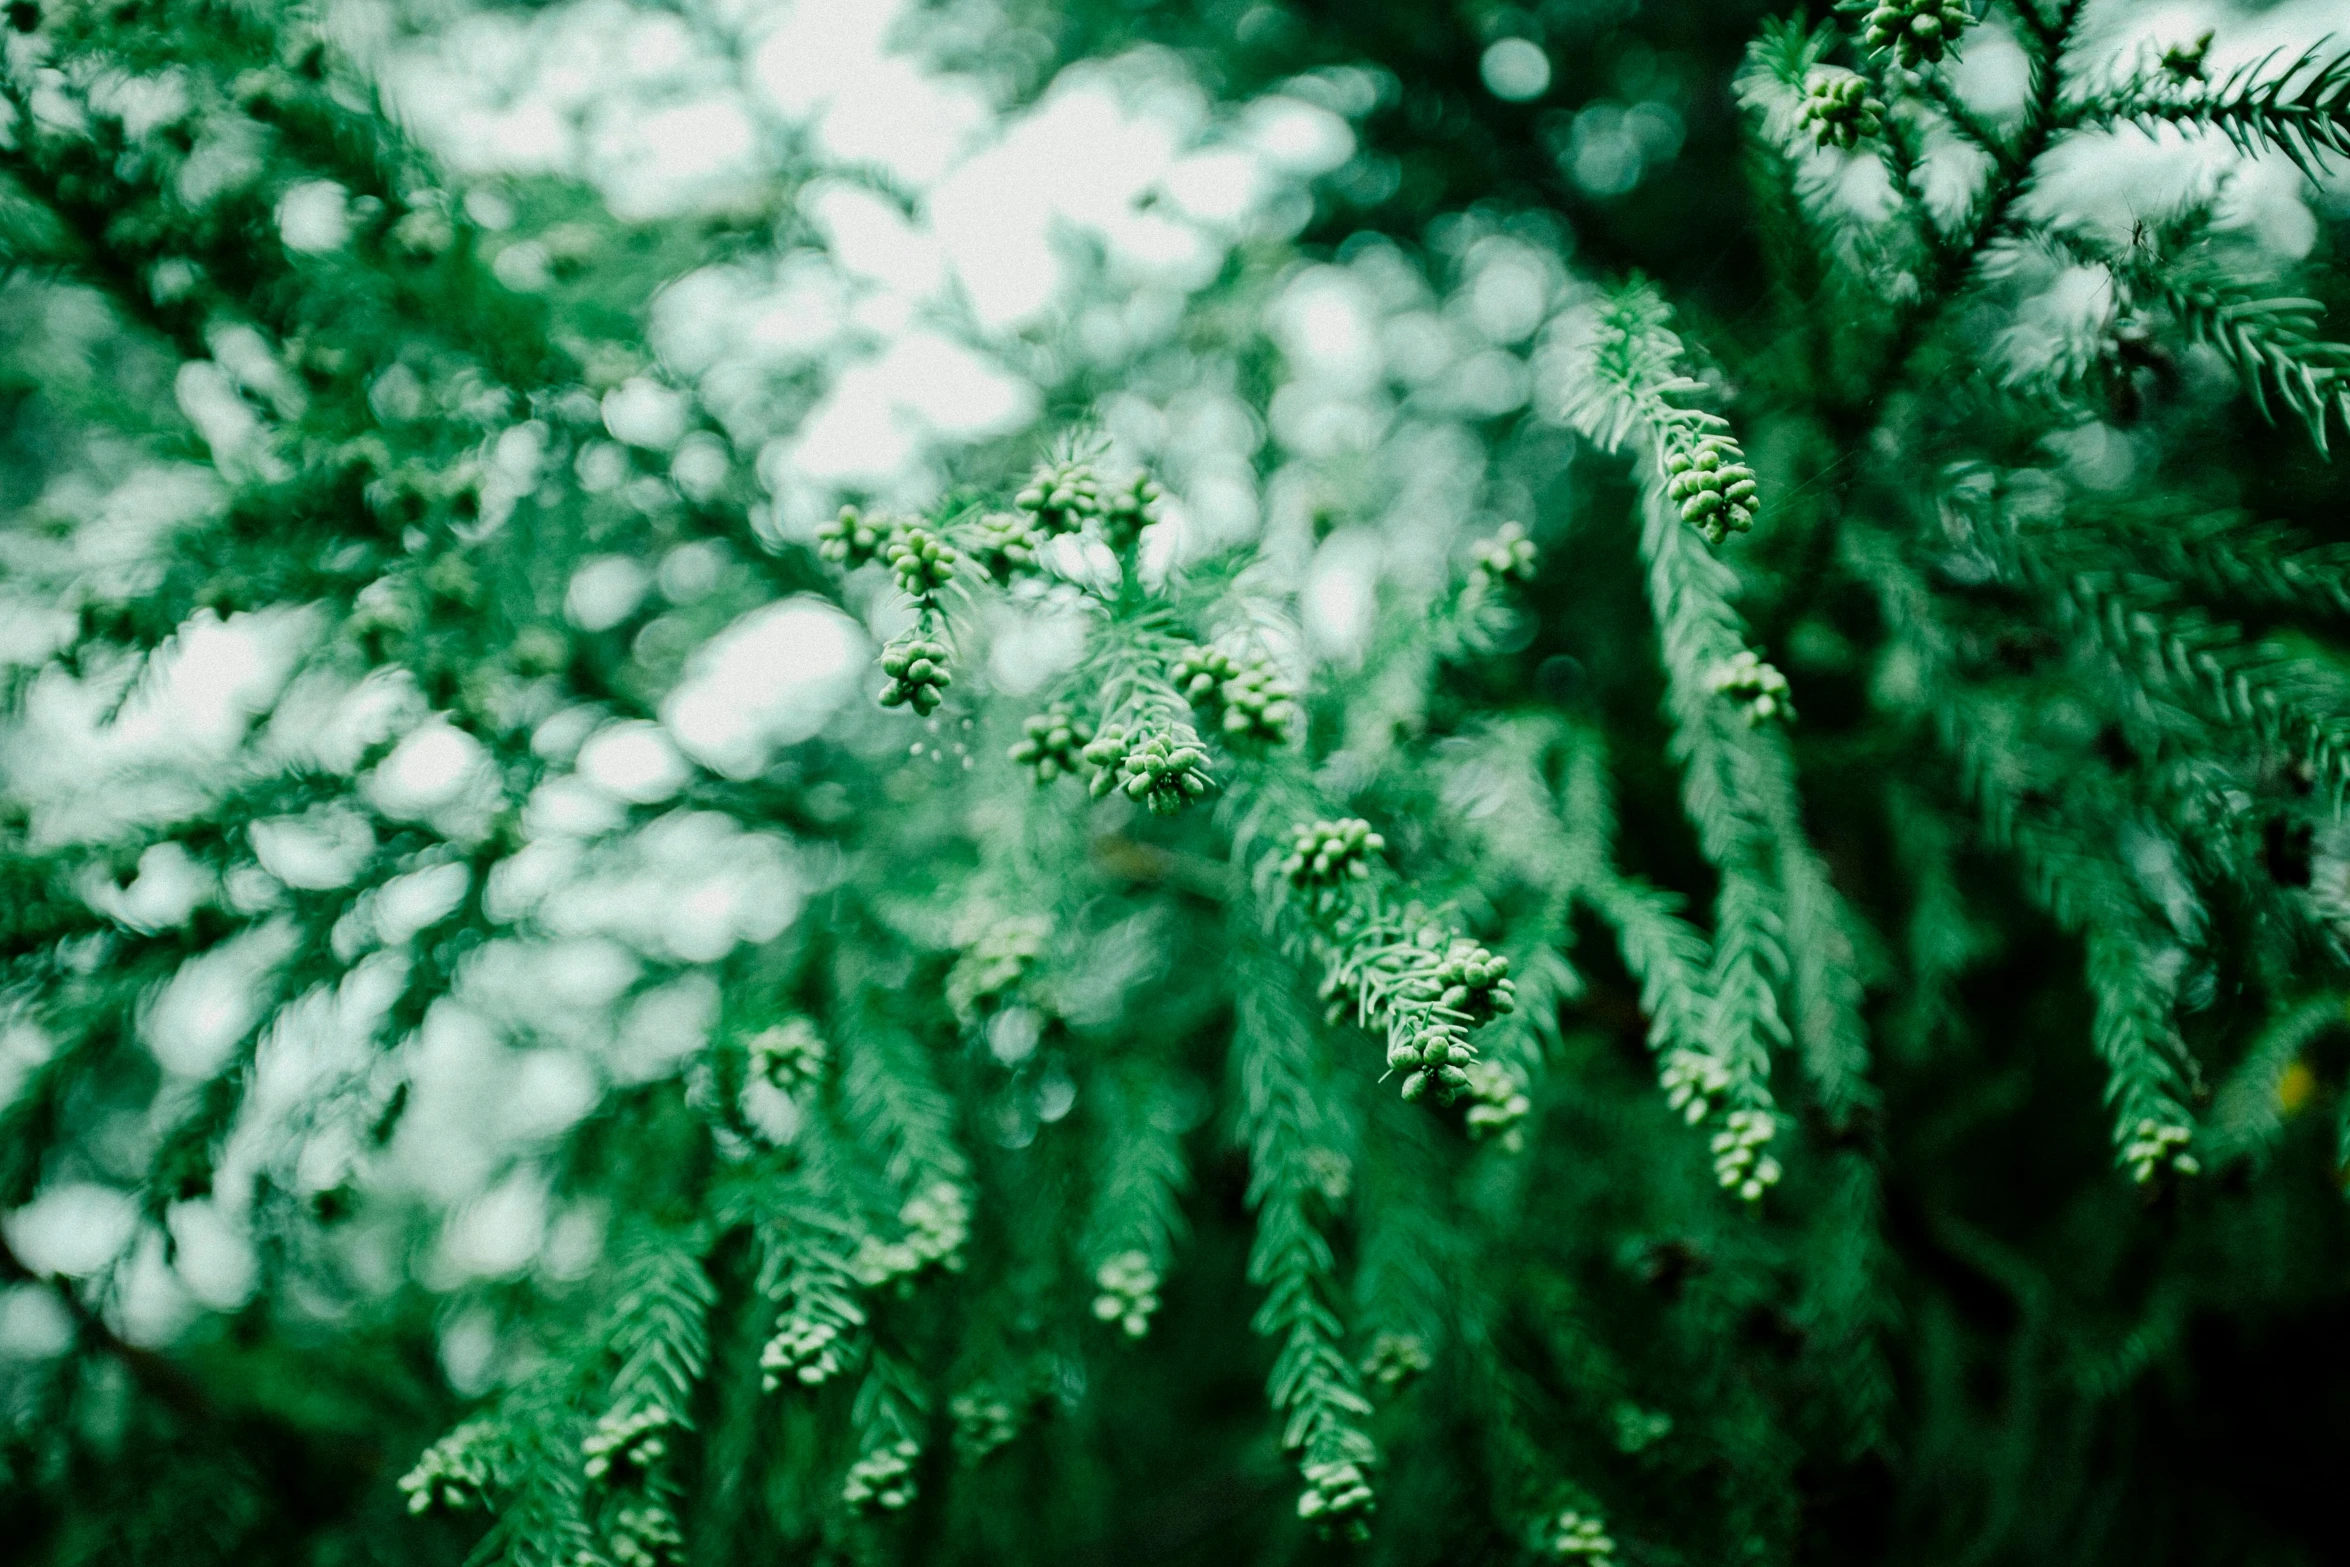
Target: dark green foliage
1501, 1088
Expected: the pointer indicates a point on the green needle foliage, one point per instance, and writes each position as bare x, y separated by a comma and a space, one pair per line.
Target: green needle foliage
1506, 1090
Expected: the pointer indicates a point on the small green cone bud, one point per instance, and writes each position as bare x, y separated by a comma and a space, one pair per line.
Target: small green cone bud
1396, 1358
1052, 743
1060, 496
1918, 32
1574, 1537
1714, 488
791, 1055
883, 1479
456, 1473
1758, 687
1245, 701
1837, 109
1129, 509
918, 673
1326, 856
923, 561
852, 538
627, 1444
1129, 1288
1162, 769
1004, 545
1509, 556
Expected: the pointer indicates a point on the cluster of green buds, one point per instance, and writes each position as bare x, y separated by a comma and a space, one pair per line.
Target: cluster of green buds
1004, 545
1061, 496
1692, 1082
811, 1344
2154, 1145
1578, 1537
1919, 32
924, 561
918, 673
1051, 743
1837, 108
1509, 556
646, 1535
1129, 509
791, 1055
1430, 1050
1258, 704
1762, 690
1498, 1102
1324, 856
1200, 671
1129, 1292
938, 1222
1337, 1497
1471, 980
1411, 975
992, 967
1395, 1359
984, 1422
883, 1479
455, 1473
630, 1443
1740, 1164
1713, 487
1161, 765
852, 538
1246, 700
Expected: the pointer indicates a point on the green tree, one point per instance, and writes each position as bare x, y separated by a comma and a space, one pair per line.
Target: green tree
1670, 867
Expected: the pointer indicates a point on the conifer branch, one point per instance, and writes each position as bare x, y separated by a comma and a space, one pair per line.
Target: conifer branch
2073, 872
890, 1419
660, 1334
1849, 1308
807, 1265
1738, 784
2301, 110
1137, 1215
2270, 340
1566, 842
1940, 939
1953, 259
2180, 652
541, 1518
1410, 1255
1314, 1385
1970, 126
2271, 344
2225, 555
893, 1102
1739, 791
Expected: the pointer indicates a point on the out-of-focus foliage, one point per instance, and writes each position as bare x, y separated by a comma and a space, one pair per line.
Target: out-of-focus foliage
1172, 782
